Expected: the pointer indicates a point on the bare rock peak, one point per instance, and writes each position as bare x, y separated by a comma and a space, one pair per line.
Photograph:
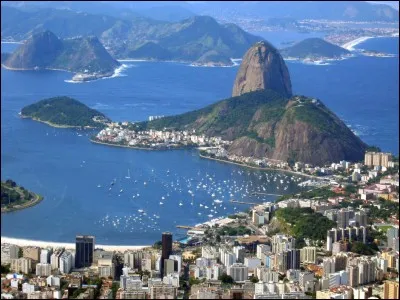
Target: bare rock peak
262, 68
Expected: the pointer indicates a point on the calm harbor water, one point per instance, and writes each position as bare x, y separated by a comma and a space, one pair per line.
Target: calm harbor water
63, 166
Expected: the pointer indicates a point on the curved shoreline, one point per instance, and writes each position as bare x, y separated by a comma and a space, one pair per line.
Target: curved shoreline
37, 200
259, 168
221, 160
43, 244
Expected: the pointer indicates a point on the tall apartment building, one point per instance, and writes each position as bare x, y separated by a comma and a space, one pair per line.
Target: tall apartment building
32, 253
106, 264
377, 159
391, 289
282, 242
55, 258
162, 291
45, 255
238, 272
308, 255
353, 275
239, 252
43, 269
8, 252
22, 264
166, 251
65, 262
84, 250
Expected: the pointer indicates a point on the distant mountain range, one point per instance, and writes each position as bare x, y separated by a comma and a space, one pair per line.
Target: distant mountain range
314, 48
195, 39
299, 10
178, 10
45, 50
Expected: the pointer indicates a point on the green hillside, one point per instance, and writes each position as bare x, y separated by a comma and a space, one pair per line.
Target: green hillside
64, 111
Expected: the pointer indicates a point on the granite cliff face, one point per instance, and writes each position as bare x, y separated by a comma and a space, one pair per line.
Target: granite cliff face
264, 120
45, 50
262, 68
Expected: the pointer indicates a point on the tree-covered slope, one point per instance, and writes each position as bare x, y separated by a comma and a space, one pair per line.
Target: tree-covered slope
64, 111
265, 124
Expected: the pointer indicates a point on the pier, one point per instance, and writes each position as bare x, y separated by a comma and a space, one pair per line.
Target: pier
259, 193
185, 227
242, 202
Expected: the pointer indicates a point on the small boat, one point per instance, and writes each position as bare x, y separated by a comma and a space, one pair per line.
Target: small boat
180, 204
121, 190
140, 210
129, 175
145, 183
161, 203
99, 185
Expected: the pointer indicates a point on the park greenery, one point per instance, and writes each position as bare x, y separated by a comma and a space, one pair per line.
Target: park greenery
233, 231
11, 194
304, 223
64, 111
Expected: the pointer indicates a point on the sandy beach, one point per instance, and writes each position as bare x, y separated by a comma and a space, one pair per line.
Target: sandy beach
43, 244
350, 45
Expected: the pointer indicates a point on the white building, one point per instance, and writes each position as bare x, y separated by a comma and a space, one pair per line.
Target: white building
28, 288
53, 281
238, 272
43, 269
8, 252
45, 255
65, 262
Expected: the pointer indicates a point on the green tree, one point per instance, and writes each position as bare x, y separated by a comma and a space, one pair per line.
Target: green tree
225, 278
254, 279
114, 289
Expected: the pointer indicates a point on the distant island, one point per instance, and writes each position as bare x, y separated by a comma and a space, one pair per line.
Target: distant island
84, 56
199, 39
375, 53
64, 112
314, 49
14, 197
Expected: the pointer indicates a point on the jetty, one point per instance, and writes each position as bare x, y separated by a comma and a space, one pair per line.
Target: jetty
185, 227
259, 193
242, 202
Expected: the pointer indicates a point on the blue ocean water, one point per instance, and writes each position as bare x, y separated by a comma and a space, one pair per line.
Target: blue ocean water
66, 168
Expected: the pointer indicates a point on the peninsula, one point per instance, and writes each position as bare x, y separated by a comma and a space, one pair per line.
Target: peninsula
14, 197
314, 49
64, 112
264, 120
84, 56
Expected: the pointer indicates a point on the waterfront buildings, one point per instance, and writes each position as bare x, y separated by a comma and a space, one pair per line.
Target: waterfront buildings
166, 251
8, 252
84, 251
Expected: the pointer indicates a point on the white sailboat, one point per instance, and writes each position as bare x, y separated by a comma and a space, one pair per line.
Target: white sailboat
129, 175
